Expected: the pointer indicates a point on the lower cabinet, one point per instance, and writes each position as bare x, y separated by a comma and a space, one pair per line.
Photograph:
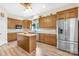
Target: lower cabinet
11, 37
48, 38
28, 43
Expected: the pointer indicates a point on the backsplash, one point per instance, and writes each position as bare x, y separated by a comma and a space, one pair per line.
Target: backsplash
15, 30
40, 30
48, 31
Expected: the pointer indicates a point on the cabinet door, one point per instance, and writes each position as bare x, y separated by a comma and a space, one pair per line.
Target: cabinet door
25, 43
72, 13
22, 42
61, 15
11, 23
53, 22
47, 22
42, 38
32, 43
69, 13
24, 24
42, 22
11, 37
18, 22
27, 24
48, 38
52, 39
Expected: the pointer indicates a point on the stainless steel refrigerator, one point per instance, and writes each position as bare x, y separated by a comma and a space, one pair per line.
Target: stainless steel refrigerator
67, 35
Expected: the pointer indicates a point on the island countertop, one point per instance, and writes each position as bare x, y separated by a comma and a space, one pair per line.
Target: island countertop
26, 34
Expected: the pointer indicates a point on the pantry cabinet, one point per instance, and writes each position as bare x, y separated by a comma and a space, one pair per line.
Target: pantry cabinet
48, 39
69, 13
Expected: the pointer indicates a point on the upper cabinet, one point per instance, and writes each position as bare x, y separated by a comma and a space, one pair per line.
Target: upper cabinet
61, 15
18, 22
47, 22
27, 24
69, 13
72, 13
11, 23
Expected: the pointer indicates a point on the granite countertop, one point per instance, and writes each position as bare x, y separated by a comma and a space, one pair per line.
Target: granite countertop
26, 34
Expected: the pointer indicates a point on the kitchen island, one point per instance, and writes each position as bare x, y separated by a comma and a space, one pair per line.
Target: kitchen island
27, 41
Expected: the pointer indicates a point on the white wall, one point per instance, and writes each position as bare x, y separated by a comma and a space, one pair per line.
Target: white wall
14, 17
3, 27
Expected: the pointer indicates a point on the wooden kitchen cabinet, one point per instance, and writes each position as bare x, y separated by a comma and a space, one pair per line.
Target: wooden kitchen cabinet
11, 37
22, 42
11, 23
27, 24
52, 40
48, 38
42, 22
18, 22
72, 13
47, 22
42, 38
28, 43
66, 14
61, 15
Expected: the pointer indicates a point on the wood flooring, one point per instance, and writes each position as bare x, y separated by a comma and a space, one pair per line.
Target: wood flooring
11, 49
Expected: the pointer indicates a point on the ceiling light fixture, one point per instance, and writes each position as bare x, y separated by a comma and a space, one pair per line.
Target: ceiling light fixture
27, 5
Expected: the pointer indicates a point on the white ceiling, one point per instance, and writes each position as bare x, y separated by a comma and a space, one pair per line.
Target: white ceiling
37, 8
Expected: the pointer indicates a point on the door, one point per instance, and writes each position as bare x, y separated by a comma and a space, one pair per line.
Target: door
67, 30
